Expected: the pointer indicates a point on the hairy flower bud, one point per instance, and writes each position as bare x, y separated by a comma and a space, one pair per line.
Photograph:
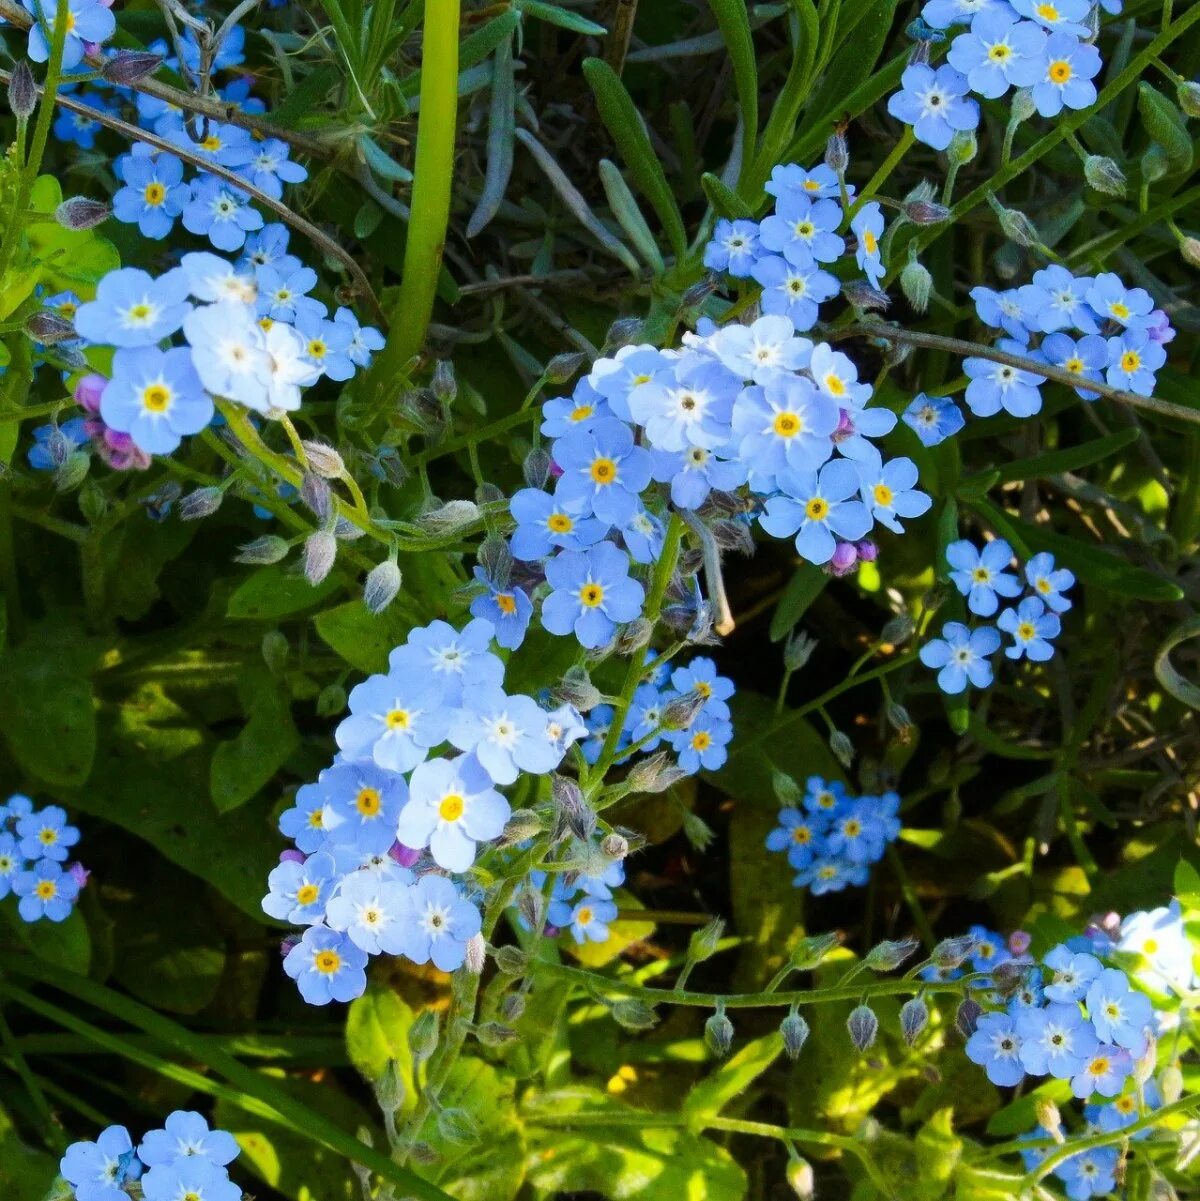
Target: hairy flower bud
320, 551
1017, 227
382, 586
697, 831
952, 952
510, 960
423, 1035
963, 148
331, 700
967, 1017
523, 824
698, 293
324, 459
917, 284
1170, 1083
495, 1034
1103, 174
810, 950
81, 212
634, 1015
1187, 94
622, 331
797, 650
718, 1034
733, 536
1049, 1119
655, 773
576, 688
842, 748
316, 495
794, 1030
536, 467
389, 1088
22, 91
513, 1006
127, 67
72, 471
863, 1026
574, 813
679, 713
914, 1017
457, 1126
614, 846
1023, 106
203, 502
267, 549
275, 650
453, 516
889, 955
1189, 249
633, 637
864, 297
48, 328
800, 1179
563, 366
444, 385
837, 154
900, 720
703, 943
921, 208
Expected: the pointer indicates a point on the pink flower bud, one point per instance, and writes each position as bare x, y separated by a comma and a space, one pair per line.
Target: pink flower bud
291, 855
1018, 942
79, 874
88, 392
405, 856
868, 552
845, 558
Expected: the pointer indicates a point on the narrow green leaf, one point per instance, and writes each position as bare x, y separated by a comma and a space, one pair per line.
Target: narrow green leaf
624, 123
501, 126
806, 584
726, 202
553, 14
1167, 674
625, 208
731, 1079
1072, 458
733, 20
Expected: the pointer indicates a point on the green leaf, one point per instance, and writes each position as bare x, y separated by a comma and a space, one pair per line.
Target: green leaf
47, 712
731, 1079
1178, 685
1166, 125
243, 766
1055, 462
624, 123
377, 1027
24, 1171
66, 944
1187, 884
726, 202
625, 209
806, 584
276, 591
364, 639
552, 14
733, 20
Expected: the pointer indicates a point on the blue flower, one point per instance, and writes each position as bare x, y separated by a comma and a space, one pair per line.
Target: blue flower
364, 339
298, 892
282, 295
46, 835
982, 575
1125, 1110
617, 377
132, 309
643, 536
87, 21
760, 350
1110, 298
156, 397
1003, 310
1069, 66
941, 14
961, 656
816, 507
45, 891
584, 409
603, 468
11, 862
1063, 16
53, 443
784, 424
934, 103
999, 52
733, 248
827, 874
995, 386
1086, 358
268, 248
229, 353
867, 226
154, 193
225, 145
506, 734
689, 407
362, 803
989, 949
861, 834
450, 657
374, 911
888, 491
801, 835
644, 720
443, 923
546, 523
591, 594
304, 822
701, 677
229, 54
1073, 974
820, 182
1055, 1041
703, 743
508, 609
1031, 628
1133, 358
1048, 582
588, 919
220, 212
694, 473
452, 806
1120, 1015
186, 1134
793, 291
271, 167
77, 127
326, 966
599, 722
837, 377
1104, 1071
98, 1170
1059, 300
1090, 1173
996, 1047
933, 418
803, 230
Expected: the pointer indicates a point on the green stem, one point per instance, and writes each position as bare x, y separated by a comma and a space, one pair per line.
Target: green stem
845, 686
50, 1129
433, 175
910, 898
881, 176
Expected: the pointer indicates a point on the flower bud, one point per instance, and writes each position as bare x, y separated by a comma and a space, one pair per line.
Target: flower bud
476, 954
614, 846
917, 284
444, 385
1143, 1066
576, 688
656, 773
93, 504
967, 1017
204, 502
453, 516
513, 1006
953, 952
899, 719
563, 366
530, 905
1023, 106
800, 1179
1104, 175
324, 459
914, 1017
733, 536
267, 549
679, 713
795, 1034
22, 91
421, 1152
787, 791
495, 1034
72, 471
130, 66
316, 495
1170, 1083
275, 650
423, 1035
1161, 1189
523, 824
919, 30
1187, 94
536, 467
320, 550
703, 943
622, 331
963, 148
863, 1026
80, 212
888, 955
574, 813
1189, 248
718, 1034
898, 630
390, 467
864, 297
698, 293
457, 1126
837, 153
1017, 227
632, 1014
510, 960
48, 328
797, 650
633, 637
697, 831
811, 950
389, 1088
925, 211
331, 700
382, 586
842, 748
1049, 1119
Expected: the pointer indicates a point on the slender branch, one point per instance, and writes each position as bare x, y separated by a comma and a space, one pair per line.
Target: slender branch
281, 210
912, 337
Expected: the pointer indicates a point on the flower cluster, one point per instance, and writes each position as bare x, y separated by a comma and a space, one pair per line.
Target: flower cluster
183, 1159
384, 832
832, 839
1091, 326
581, 902
962, 655
35, 845
1043, 48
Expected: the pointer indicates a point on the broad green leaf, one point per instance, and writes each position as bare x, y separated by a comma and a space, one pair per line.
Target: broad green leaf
244, 765
276, 591
364, 639
1187, 884
731, 1079
377, 1027
66, 944
623, 121
806, 584
25, 1172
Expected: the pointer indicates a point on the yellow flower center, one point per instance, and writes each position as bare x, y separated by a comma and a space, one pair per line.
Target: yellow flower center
811, 185
981, 575
604, 471
506, 603
155, 194
1060, 71
787, 425
307, 893
368, 802
834, 385
317, 349
327, 962
582, 413
211, 143
883, 495
1150, 946
1098, 1066
702, 688
1047, 12
47, 837
584, 916
140, 312
805, 229
591, 595
853, 828
1025, 631
1043, 584
46, 890
316, 820
870, 243
398, 719
1075, 366
1000, 52
450, 807
801, 835
701, 740
640, 379
1131, 361
265, 323
156, 398
817, 509
560, 523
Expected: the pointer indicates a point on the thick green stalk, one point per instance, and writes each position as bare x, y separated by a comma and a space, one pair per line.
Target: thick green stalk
433, 174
